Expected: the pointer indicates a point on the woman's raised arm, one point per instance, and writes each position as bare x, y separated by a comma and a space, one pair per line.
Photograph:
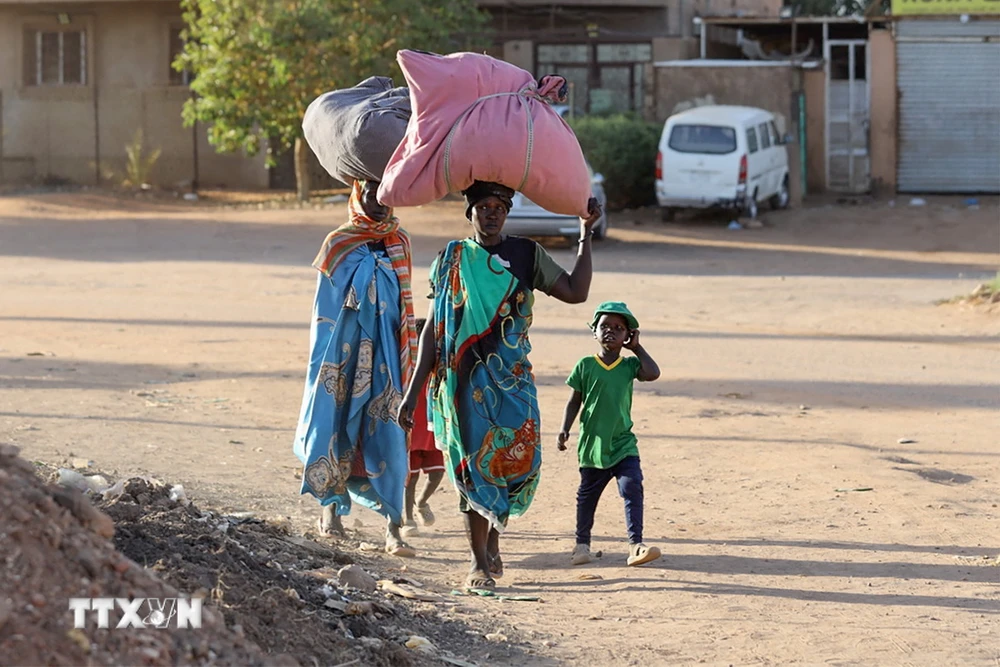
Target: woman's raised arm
574, 287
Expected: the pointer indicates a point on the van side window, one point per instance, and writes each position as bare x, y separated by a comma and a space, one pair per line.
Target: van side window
751, 140
765, 137
774, 133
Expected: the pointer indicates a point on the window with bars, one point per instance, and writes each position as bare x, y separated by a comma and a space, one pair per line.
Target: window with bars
55, 57
182, 78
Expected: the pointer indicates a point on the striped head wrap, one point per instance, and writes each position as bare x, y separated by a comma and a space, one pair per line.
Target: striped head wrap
356, 232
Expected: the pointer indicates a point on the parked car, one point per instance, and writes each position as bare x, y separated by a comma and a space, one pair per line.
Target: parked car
527, 218
721, 156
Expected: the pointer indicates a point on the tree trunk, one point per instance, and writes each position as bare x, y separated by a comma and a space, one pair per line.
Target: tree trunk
302, 169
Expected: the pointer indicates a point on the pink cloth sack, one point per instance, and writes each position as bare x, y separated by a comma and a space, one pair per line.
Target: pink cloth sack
476, 118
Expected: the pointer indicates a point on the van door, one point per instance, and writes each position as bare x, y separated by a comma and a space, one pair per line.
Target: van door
780, 156
769, 144
700, 161
757, 164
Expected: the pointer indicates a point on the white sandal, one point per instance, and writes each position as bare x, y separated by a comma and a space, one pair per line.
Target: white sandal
640, 554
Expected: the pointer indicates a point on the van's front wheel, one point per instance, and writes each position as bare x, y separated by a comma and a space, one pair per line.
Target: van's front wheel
780, 200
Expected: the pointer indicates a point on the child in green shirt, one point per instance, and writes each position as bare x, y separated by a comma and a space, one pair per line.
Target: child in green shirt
602, 385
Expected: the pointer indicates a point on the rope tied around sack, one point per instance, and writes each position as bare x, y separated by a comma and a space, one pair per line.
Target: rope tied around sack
549, 89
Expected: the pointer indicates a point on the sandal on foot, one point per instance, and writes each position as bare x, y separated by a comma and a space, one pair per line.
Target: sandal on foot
334, 528
640, 554
496, 566
410, 529
581, 554
426, 515
477, 582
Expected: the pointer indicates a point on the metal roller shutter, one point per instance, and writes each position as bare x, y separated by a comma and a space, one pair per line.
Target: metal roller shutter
949, 107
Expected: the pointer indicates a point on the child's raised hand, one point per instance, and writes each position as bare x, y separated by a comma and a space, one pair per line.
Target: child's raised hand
563, 437
632, 343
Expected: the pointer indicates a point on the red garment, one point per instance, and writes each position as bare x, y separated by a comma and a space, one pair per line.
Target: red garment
424, 456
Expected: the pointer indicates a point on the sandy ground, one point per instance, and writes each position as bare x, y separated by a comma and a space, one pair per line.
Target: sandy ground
799, 360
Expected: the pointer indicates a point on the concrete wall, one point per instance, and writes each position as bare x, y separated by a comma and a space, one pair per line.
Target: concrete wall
768, 87
520, 52
675, 48
574, 23
883, 134
814, 84
51, 131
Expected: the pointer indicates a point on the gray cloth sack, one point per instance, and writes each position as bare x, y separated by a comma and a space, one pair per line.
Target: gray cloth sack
356, 130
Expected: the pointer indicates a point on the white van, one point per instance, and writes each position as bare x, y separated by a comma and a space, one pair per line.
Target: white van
721, 156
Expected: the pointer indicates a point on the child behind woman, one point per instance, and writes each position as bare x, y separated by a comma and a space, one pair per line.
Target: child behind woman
424, 457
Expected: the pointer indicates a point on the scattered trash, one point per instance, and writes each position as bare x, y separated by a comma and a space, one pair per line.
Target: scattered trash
177, 495
754, 224
422, 644
495, 637
336, 604
368, 546
190, 196
360, 608
71, 479
354, 576
548, 643
81, 464
859, 488
335, 199
906, 441
115, 491
987, 560
97, 484
972, 203
589, 577
455, 661
491, 594
407, 591
803, 407
734, 225
917, 201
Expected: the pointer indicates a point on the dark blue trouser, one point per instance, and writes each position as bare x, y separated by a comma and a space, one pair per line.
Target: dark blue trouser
592, 484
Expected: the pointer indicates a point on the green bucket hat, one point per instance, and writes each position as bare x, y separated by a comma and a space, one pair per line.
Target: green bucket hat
615, 308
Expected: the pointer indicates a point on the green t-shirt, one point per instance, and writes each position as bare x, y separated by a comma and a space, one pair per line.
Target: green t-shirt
606, 436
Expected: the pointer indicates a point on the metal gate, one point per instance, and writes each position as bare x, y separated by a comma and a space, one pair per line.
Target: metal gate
848, 165
948, 77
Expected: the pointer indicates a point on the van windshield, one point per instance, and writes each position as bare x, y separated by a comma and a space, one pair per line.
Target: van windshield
709, 139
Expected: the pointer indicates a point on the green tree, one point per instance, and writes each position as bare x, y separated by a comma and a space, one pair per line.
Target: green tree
257, 64
833, 7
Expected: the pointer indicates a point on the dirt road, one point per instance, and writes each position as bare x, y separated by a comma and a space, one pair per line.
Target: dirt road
798, 361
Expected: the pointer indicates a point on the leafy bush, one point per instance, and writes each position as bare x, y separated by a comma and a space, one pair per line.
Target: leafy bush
138, 164
623, 149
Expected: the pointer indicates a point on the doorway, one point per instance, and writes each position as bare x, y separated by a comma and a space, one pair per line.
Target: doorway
848, 72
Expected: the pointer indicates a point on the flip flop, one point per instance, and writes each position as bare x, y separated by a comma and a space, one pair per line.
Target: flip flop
410, 530
496, 566
323, 530
640, 554
480, 585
